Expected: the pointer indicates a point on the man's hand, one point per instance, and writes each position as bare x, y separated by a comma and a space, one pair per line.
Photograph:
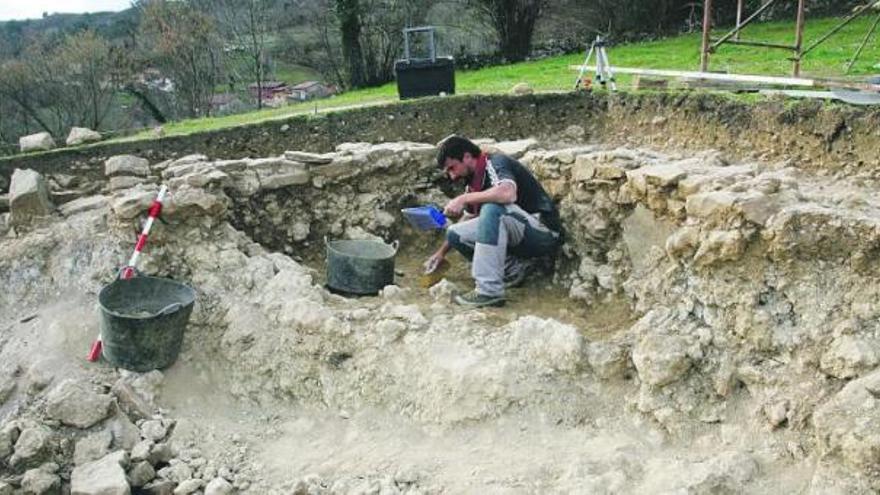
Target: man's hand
455, 206
433, 262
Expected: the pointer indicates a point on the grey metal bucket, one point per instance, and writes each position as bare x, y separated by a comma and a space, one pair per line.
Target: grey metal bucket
360, 267
143, 320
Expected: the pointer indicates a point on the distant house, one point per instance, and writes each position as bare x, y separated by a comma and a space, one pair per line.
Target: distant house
271, 90
154, 79
309, 90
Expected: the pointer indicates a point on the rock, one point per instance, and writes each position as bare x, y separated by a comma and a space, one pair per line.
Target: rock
141, 450
8, 436
141, 474
125, 182
521, 89
153, 430
131, 401
188, 201
574, 132
84, 204
846, 426
132, 203
159, 487
661, 359
36, 142
102, 477
161, 453
7, 386
75, 404
309, 158
81, 135
607, 359
188, 486
708, 204
776, 413
516, 149
657, 176
848, 357
720, 245
218, 486
125, 434
32, 446
178, 471
275, 173
92, 447
28, 197
6, 488
127, 165
548, 344
443, 290
40, 482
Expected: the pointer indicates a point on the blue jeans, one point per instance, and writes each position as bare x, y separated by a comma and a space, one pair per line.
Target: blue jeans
498, 231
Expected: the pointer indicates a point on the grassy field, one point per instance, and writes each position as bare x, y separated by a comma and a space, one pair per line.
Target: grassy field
553, 74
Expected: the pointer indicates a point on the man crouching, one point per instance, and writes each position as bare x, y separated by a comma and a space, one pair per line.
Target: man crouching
507, 220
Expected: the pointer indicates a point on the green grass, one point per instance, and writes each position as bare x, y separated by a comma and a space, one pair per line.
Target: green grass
554, 74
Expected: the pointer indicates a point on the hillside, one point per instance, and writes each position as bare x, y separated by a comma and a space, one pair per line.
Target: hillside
553, 74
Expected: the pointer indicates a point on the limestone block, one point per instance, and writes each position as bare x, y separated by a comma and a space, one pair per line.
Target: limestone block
82, 135
218, 486
309, 158
548, 344
36, 142
714, 203
661, 359
105, 476
758, 207
847, 424
720, 245
141, 474
275, 173
657, 176
75, 404
133, 202
125, 182
31, 447
41, 482
188, 201
848, 357
608, 360
28, 197
92, 447
516, 149
84, 204
127, 165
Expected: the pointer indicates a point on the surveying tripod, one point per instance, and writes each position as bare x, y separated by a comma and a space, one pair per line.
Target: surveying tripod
603, 66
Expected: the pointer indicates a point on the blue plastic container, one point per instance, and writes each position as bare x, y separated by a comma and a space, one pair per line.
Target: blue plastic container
425, 217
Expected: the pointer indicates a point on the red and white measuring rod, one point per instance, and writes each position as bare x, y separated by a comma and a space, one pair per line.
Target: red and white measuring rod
155, 210
129, 270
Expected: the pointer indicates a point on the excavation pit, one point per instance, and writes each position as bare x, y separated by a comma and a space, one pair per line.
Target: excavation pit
708, 326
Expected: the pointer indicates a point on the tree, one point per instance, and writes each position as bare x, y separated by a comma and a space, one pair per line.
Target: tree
245, 26
87, 84
184, 44
514, 23
372, 36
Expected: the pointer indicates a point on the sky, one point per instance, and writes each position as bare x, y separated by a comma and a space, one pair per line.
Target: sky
33, 9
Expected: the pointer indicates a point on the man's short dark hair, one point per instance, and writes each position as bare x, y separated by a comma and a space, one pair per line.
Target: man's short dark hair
455, 147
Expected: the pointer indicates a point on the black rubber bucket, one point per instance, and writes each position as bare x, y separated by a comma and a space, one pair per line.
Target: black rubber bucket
360, 267
143, 320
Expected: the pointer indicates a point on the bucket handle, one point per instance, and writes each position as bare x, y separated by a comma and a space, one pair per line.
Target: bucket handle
170, 309
395, 245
